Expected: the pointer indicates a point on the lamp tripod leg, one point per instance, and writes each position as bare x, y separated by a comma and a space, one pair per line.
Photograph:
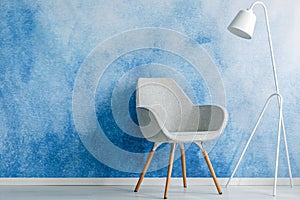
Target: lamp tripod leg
287, 152
277, 150
249, 140
241, 157
281, 127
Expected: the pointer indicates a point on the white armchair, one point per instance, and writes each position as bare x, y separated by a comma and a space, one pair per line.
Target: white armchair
166, 114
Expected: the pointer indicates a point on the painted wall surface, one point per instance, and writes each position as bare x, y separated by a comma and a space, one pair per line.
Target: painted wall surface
68, 71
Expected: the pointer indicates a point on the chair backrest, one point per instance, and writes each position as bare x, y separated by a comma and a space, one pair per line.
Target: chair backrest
167, 100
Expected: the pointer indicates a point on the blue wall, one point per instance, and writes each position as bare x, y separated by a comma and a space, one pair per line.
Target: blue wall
68, 71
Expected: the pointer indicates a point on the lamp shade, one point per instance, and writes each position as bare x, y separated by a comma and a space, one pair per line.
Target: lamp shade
243, 24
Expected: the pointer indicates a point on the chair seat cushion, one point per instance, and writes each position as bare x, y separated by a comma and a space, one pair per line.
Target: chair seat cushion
198, 136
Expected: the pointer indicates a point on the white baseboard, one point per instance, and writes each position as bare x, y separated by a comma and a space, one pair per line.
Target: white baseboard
146, 181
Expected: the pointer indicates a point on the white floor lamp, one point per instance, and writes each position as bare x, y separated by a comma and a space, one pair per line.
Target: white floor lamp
243, 26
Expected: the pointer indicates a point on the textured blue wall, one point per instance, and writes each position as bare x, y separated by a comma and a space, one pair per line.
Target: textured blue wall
55, 54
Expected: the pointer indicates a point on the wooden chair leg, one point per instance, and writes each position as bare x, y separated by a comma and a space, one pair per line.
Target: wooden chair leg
212, 171
144, 171
173, 147
183, 166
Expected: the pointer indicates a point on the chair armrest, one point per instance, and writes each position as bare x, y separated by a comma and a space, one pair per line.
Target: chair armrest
211, 117
152, 126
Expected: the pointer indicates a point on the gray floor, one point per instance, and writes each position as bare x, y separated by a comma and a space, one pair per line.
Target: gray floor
146, 192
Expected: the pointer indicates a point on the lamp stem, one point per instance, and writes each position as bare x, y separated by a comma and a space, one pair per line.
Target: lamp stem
269, 42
